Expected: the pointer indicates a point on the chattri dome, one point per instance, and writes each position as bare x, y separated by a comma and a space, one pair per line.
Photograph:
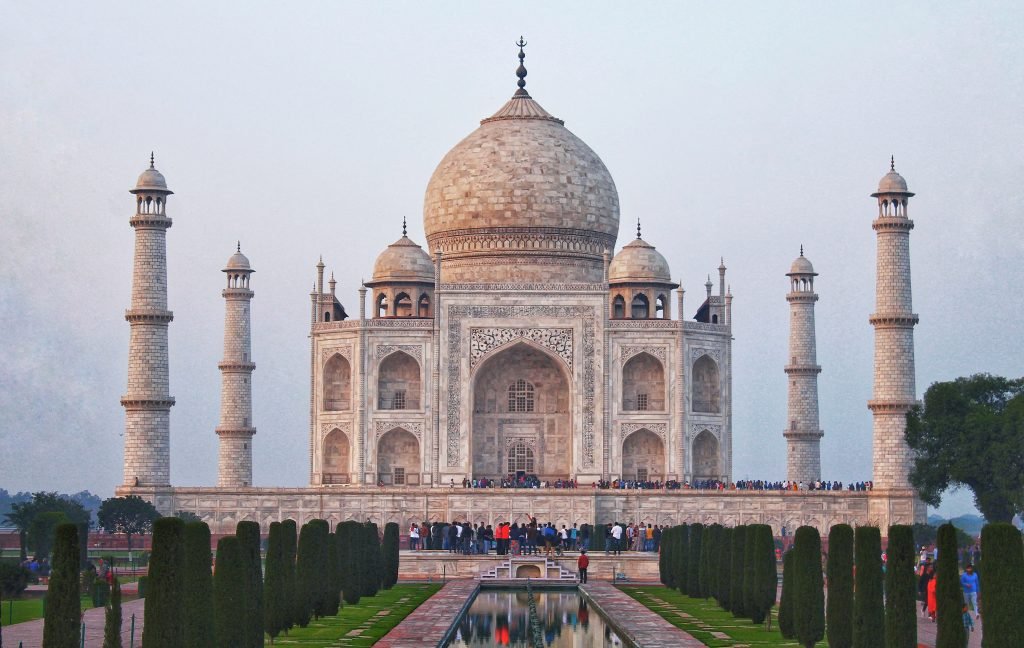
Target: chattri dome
238, 261
403, 262
151, 180
802, 265
639, 262
892, 183
521, 199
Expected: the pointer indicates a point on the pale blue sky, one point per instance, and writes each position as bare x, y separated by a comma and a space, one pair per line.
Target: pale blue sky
732, 129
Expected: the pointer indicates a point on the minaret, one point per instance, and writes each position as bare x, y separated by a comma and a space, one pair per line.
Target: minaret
894, 320
803, 437
147, 405
234, 463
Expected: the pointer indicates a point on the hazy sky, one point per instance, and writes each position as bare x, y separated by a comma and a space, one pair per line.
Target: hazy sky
732, 129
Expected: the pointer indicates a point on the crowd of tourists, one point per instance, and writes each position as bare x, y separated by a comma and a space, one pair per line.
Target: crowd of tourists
517, 481
533, 481
969, 585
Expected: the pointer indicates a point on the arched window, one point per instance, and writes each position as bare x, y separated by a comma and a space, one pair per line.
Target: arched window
398, 382
640, 308
335, 458
520, 458
382, 305
643, 384
520, 396
327, 317
705, 386
618, 307
714, 319
337, 383
424, 306
705, 456
403, 305
661, 307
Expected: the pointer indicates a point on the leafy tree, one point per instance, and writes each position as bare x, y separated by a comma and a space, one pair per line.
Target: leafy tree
164, 625
808, 595
948, 594
249, 536
14, 579
22, 513
725, 569
199, 631
739, 548
112, 618
306, 567
681, 557
787, 625
348, 539
693, 560
42, 531
291, 544
868, 604
839, 569
665, 574
390, 554
900, 589
63, 605
187, 516
765, 576
229, 593
970, 432
275, 601
1002, 583
129, 515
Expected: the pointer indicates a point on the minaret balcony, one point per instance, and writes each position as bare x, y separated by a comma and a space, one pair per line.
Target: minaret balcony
891, 405
231, 365
892, 224
893, 320
141, 403
148, 316
159, 221
806, 370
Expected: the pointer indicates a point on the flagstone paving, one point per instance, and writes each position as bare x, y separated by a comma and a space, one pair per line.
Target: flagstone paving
429, 623
640, 625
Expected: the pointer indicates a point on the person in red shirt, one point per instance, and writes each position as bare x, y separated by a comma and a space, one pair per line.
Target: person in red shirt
582, 563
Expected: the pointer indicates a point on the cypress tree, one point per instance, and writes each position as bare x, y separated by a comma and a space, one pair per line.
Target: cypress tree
839, 607
348, 539
333, 603
112, 618
229, 592
787, 626
868, 601
274, 594
714, 555
900, 589
390, 554
199, 582
808, 597
665, 558
165, 621
680, 559
704, 571
373, 573
739, 539
305, 575
290, 544
725, 569
63, 607
693, 560
248, 534
749, 564
1002, 583
766, 578
950, 632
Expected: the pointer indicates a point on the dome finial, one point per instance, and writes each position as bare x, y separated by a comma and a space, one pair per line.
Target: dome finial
152, 160
521, 70
638, 228
403, 226
892, 162
238, 246
801, 249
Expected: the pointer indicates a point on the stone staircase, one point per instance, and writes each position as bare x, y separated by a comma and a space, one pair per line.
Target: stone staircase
530, 567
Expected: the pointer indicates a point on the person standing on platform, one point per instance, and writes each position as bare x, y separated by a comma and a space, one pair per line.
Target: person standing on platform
582, 563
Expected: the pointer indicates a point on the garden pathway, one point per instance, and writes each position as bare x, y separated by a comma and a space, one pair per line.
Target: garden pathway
642, 626
30, 633
429, 623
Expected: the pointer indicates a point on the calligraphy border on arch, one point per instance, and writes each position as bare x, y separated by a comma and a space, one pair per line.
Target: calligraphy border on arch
344, 426
484, 340
659, 352
384, 350
380, 428
458, 312
345, 351
661, 429
697, 428
697, 352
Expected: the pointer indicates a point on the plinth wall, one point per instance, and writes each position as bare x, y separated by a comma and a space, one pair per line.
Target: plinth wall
223, 508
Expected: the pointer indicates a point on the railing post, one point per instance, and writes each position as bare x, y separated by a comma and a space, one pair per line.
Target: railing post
131, 637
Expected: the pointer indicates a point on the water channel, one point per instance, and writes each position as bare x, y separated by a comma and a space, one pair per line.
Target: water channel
502, 617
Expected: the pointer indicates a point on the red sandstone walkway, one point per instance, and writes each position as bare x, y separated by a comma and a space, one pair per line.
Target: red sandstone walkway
641, 626
429, 623
30, 633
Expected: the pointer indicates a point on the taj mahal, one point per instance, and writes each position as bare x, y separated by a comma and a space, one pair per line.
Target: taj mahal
522, 337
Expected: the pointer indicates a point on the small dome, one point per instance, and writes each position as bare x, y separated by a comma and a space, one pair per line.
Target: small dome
238, 261
403, 262
151, 180
801, 266
892, 183
639, 262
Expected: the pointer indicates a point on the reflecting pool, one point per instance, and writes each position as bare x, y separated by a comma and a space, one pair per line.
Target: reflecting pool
502, 617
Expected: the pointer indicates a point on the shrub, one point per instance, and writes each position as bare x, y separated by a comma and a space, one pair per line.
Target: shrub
808, 597
83, 544
725, 569
739, 538
868, 603
704, 569
321, 582
143, 586
199, 582
950, 632
680, 558
348, 539
333, 603
1002, 583
787, 626
14, 579
765, 577
305, 575
229, 593
275, 600
900, 589
249, 536
371, 548
714, 546
693, 560
164, 625
290, 549
112, 618
665, 574
839, 606
100, 593
390, 554
749, 560
63, 605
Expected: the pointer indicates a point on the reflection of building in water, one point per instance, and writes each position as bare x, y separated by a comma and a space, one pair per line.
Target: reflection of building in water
501, 618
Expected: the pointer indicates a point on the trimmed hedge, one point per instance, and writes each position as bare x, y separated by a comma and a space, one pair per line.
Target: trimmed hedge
704, 568
290, 543
248, 534
1002, 583
749, 559
229, 593
349, 556
739, 538
868, 602
333, 603
693, 589
390, 554
787, 625
808, 594
900, 589
164, 625
681, 563
275, 597
725, 569
950, 631
199, 581
839, 607
112, 618
665, 574
765, 576
373, 573
714, 545
62, 605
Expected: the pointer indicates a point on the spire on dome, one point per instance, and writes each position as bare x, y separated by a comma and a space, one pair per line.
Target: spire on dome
892, 162
638, 228
801, 249
238, 246
521, 70
403, 226
152, 160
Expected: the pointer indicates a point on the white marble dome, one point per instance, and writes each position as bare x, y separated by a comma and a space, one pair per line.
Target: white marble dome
521, 199
151, 180
892, 183
403, 262
238, 261
801, 265
639, 262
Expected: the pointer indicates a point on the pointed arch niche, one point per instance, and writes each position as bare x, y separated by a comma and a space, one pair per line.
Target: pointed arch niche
706, 387
643, 456
337, 384
398, 383
705, 456
335, 458
643, 384
398, 458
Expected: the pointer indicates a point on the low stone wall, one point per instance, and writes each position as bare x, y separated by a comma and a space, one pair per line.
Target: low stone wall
222, 508
437, 565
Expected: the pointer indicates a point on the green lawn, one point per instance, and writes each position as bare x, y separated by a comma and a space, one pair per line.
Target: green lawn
368, 618
29, 609
705, 617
